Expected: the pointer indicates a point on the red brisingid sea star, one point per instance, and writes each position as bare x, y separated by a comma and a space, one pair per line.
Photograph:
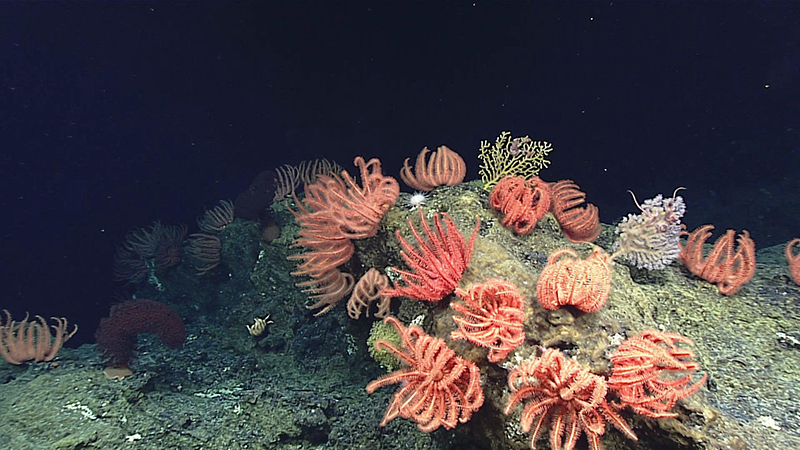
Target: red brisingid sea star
436, 264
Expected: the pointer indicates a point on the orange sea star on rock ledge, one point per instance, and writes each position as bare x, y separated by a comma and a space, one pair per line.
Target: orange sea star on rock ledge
491, 316
728, 269
573, 398
438, 388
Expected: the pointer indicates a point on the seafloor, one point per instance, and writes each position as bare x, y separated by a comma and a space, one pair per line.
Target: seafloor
302, 384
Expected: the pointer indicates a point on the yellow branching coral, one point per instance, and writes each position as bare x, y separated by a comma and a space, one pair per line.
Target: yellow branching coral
521, 156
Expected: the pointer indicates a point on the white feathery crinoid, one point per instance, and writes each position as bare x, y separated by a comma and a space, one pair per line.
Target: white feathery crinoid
416, 199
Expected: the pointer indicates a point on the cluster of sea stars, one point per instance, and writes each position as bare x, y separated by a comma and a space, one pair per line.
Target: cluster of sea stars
650, 374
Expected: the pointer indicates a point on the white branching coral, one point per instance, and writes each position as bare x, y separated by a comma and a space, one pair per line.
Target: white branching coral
650, 240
